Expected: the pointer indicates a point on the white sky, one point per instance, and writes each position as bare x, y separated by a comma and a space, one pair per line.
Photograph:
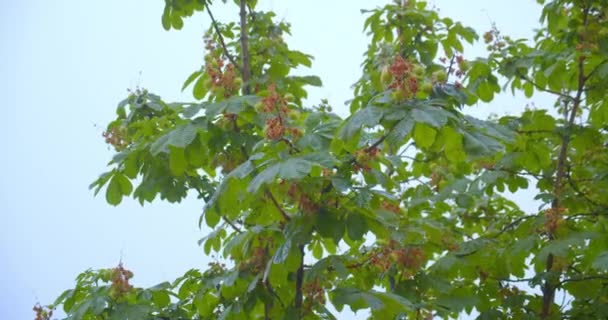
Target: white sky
63, 67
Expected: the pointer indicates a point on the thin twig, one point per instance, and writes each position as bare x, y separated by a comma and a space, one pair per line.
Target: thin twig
584, 279
237, 229
245, 68
512, 224
451, 65
219, 35
277, 205
580, 192
538, 87
596, 69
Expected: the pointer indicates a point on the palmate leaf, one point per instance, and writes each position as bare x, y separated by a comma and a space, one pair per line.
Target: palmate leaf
369, 117
386, 304
293, 168
232, 105
433, 116
179, 137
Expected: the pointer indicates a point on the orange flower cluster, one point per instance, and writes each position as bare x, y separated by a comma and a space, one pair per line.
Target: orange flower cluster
305, 203
120, 281
553, 219
363, 157
409, 257
404, 78
388, 206
275, 129
256, 263
223, 76
42, 313
314, 293
276, 126
117, 137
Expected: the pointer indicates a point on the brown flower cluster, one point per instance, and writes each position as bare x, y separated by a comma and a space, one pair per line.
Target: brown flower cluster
305, 203
364, 156
405, 80
42, 313
553, 219
277, 125
314, 294
224, 80
116, 136
257, 262
495, 40
408, 257
389, 206
119, 277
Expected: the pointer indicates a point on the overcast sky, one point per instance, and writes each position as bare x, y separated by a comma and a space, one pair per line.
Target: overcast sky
65, 64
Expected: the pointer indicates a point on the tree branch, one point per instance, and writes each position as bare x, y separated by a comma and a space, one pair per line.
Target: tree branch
512, 225
219, 35
277, 205
548, 288
584, 279
245, 59
595, 69
299, 281
237, 229
540, 88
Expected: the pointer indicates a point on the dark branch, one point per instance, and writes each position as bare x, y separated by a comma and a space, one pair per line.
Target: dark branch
584, 279
540, 88
277, 205
237, 229
245, 68
595, 69
219, 35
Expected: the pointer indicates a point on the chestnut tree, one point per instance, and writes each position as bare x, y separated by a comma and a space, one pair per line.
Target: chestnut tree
401, 207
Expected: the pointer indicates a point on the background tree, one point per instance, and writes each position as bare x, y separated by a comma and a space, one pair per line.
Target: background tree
398, 208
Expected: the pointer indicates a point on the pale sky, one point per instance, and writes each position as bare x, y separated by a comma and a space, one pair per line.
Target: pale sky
65, 64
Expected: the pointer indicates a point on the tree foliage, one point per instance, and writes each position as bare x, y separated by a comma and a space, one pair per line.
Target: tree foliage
401, 208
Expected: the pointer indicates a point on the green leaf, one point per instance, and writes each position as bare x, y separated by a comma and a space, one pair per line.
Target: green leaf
290, 169
281, 254
433, 116
233, 105
161, 298
299, 58
601, 261
369, 117
125, 311
177, 161
192, 77
278, 70
179, 137
400, 131
424, 135
311, 80
354, 298
356, 226
119, 186
166, 18
199, 91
